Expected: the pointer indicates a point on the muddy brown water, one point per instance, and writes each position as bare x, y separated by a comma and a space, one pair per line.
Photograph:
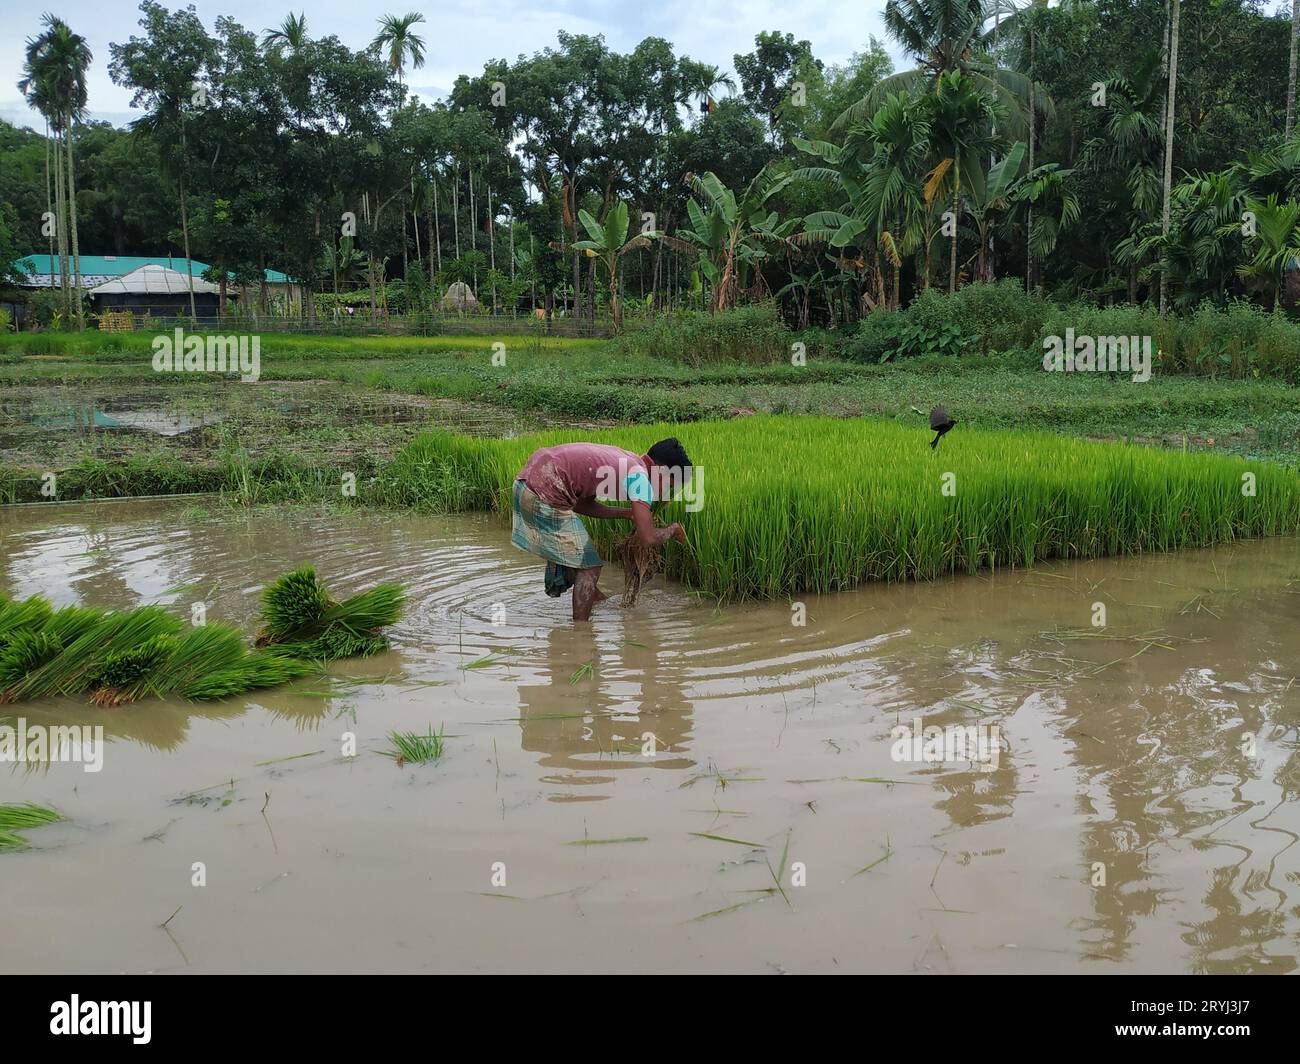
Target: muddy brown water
1128, 824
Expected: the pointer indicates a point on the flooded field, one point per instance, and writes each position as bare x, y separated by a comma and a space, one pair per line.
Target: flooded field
1136, 811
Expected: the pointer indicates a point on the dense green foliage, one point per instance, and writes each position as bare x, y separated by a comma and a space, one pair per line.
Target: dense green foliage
1023, 141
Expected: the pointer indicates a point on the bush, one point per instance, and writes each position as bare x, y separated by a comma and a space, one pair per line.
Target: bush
752, 334
977, 318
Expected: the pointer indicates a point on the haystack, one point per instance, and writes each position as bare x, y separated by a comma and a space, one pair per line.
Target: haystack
459, 297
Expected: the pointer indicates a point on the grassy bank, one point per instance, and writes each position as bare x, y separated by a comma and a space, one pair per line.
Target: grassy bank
794, 505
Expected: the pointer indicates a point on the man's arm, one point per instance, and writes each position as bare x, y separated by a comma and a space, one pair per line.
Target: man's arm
648, 533
592, 508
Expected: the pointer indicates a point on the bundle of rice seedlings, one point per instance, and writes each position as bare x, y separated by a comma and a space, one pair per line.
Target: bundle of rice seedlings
15, 818
76, 667
124, 675
254, 671
25, 652
72, 622
293, 604
209, 650
27, 615
300, 619
334, 643
640, 563
414, 748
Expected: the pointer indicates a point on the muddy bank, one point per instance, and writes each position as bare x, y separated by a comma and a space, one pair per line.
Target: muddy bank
1120, 826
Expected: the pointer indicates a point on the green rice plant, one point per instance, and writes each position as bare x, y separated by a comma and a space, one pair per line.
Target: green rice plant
26, 651
26, 615
124, 655
75, 668
295, 602
254, 671
414, 748
301, 620
794, 505
125, 674
16, 818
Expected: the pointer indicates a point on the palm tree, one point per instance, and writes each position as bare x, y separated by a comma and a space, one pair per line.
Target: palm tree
396, 35
37, 91
1174, 5
1132, 146
702, 81
291, 34
962, 120
1277, 227
945, 36
1291, 71
55, 79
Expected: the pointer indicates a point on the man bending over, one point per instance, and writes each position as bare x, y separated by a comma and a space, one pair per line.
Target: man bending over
557, 484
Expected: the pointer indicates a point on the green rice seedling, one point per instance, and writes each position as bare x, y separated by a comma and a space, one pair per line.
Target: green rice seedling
300, 619
414, 748
294, 603
27, 615
334, 643
75, 668
16, 818
125, 675
202, 652
24, 652
851, 501
252, 672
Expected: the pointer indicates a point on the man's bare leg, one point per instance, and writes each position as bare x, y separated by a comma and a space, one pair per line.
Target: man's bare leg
585, 593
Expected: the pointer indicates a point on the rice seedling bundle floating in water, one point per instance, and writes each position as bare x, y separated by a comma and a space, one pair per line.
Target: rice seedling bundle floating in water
300, 619
16, 818
806, 504
121, 656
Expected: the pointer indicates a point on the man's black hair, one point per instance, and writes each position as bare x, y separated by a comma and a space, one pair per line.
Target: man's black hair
669, 453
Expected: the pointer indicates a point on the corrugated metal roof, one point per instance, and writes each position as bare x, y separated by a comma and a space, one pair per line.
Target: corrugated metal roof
153, 280
97, 269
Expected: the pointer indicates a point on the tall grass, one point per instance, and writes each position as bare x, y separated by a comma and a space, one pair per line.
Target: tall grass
805, 504
749, 334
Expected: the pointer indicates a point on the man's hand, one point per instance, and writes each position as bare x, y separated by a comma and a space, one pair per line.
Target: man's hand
678, 533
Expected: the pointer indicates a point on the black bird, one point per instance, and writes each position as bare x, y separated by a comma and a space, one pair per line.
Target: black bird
940, 423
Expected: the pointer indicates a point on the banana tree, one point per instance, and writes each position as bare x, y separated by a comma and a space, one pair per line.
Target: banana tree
730, 235
608, 243
990, 197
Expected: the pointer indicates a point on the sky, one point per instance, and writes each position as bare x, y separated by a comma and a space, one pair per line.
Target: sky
459, 37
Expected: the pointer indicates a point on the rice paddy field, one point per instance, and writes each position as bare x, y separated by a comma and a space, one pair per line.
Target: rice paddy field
787, 505
385, 729
682, 786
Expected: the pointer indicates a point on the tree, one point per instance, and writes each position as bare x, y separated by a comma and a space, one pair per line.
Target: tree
1174, 5
702, 81
962, 120
1291, 70
167, 68
730, 234
54, 79
396, 35
767, 73
608, 244
291, 34
944, 36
